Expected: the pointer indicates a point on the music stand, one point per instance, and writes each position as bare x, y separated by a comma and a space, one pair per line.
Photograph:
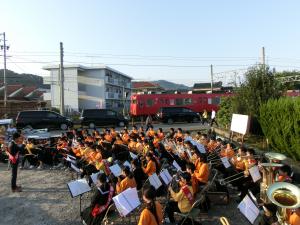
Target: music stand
78, 188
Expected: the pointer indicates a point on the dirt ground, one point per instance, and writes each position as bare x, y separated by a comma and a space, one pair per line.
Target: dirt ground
45, 200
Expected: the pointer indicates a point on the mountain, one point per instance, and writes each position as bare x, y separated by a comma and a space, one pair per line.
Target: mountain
167, 85
24, 78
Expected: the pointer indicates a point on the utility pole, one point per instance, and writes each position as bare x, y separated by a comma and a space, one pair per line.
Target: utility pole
263, 59
4, 47
61, 80
212, 78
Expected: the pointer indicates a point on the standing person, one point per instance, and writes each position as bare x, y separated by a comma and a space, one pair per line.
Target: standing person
213, 118
204, 117
148, 122
14, 150
153, 213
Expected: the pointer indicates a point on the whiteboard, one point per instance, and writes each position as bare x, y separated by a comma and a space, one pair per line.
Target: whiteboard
239, 123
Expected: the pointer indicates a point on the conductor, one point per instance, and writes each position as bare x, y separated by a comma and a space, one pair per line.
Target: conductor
14, 150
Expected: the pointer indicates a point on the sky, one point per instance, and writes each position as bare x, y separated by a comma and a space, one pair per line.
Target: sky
174, 40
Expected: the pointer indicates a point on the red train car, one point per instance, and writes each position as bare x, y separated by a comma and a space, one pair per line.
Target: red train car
145, 104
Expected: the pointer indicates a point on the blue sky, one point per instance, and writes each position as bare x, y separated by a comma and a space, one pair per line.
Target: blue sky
158, 39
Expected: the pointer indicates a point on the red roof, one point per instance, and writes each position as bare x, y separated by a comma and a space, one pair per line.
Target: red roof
144, 84
28, 90
12, 88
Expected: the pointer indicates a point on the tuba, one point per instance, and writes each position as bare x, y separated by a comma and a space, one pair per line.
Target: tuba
268, 178
285, 196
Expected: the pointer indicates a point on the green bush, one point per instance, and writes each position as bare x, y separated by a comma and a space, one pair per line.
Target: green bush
225, 112
280, 122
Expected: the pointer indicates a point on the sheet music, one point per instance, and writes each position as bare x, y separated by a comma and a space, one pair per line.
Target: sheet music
155, 181
127, 201
116, 170
165, 176
248, 209
95, 175
175, 164
75, 168
225, 162
134, 156
78, 187
126, 163
255, 174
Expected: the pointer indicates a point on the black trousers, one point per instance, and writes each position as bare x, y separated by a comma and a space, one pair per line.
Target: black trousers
14, 173
213, 121
171, 208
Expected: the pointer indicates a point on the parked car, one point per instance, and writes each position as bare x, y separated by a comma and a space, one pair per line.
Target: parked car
39, 119
175, 114
102, 117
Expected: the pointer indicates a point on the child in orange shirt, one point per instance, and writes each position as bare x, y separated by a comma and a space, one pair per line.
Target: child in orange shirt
153, 213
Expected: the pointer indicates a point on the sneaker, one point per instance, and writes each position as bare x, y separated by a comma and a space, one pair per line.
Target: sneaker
21, 167
31, 167
40, 167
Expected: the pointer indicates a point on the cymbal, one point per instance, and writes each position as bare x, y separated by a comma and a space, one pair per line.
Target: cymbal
275, 155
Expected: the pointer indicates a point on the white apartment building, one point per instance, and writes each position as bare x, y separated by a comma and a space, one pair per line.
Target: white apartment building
89, 87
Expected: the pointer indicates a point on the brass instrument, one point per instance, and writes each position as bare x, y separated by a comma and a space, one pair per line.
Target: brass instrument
232, 178
268, 179
274, 157
285, 196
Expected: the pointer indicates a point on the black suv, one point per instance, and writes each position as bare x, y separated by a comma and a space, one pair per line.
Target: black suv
39, 119
171, 114
102, 117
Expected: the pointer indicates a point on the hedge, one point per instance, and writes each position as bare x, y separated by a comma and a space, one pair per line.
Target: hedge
280, 122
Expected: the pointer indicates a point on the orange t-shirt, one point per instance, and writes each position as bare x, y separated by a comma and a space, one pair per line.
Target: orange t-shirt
294, 217
147, 218
150, 169
203, 173
125, 183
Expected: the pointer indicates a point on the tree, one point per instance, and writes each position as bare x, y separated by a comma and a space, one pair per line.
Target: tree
225, 112
259, 86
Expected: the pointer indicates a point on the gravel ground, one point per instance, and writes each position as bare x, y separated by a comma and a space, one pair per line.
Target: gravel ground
45, 200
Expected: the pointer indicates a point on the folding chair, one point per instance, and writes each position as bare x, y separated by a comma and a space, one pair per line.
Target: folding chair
105, 219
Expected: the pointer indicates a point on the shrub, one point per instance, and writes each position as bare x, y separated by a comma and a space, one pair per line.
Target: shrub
280, 122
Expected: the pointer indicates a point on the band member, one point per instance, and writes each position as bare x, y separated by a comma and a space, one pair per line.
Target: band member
171, 133
227, 152
138, 174
127, 182
183, 200
153, 213
284, 174
14, 150
190, 168
202, 170
238, 160
100, 202
148, 122
269, 217
151, 165
160, 134
294, 216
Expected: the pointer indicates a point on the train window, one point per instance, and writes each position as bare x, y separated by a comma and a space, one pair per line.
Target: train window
188, 101
216, 101
172, 102
179, 101
200, 100
133, 101
209, 101
149, 102
161, 101
167, 102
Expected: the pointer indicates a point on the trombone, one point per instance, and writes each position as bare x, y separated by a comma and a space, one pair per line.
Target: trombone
232, 178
